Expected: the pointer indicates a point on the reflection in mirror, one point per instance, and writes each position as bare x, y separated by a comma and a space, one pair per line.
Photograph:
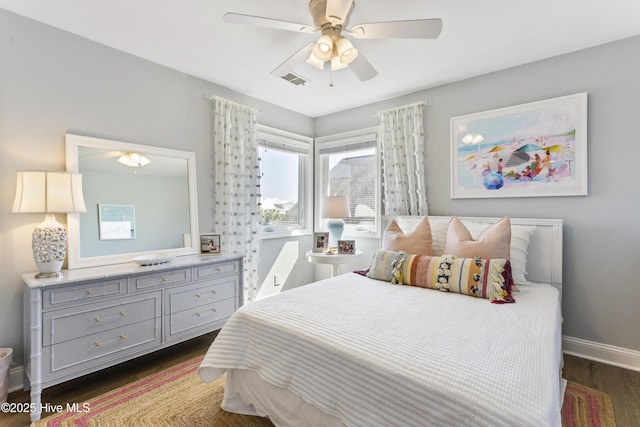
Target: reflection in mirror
157, 184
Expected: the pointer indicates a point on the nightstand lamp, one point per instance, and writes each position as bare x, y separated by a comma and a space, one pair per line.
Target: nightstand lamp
335, 208
49, 193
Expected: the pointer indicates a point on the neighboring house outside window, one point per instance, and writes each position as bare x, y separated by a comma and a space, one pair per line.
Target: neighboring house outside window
348, 165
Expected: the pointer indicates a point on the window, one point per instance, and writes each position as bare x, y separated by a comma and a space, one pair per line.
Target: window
348, 165
285, 178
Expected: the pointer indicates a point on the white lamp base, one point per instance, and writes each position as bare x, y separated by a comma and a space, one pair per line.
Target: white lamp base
49, 244
336, 227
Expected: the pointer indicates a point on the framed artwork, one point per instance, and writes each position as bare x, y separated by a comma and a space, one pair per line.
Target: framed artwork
116, 222
537, 149
210, 243
346, 246
320, 242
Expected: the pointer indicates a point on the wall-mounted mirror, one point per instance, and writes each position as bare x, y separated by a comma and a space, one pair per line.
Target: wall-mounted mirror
159, 184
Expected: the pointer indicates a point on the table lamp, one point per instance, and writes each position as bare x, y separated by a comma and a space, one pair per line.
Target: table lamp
49, 193
335, 208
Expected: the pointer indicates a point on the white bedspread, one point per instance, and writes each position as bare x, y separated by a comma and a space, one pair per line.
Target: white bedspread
375, 354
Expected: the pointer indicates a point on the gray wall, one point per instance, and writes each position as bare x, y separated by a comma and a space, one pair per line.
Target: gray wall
601, 249
52, 82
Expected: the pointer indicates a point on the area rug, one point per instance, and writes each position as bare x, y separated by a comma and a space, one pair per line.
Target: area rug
176, 397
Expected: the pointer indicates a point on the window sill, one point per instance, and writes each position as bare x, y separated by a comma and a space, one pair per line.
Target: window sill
280, 234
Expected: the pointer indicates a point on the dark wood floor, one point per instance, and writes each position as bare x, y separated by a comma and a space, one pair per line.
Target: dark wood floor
622, 385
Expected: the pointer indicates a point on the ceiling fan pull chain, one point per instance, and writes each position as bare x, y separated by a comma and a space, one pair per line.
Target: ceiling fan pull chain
331, 78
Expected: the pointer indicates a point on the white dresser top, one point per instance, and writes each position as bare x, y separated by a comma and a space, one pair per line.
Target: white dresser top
127, 269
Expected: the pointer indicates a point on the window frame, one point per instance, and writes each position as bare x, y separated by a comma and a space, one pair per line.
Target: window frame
345, 142
276, 139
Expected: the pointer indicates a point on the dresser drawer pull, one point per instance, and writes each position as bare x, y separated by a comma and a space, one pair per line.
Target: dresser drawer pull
89, 291
200, 296
213, 309
197, 314
121, 337
163, 279
121, 314
217, 268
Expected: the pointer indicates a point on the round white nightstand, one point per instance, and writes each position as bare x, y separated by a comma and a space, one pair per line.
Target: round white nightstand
333, 260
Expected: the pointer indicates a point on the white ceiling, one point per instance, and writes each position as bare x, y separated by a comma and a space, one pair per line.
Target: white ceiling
478, 37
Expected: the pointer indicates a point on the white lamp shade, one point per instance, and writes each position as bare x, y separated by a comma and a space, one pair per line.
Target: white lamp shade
315, 62
335, 207
48, 192
336, 63
323, 48
346, 51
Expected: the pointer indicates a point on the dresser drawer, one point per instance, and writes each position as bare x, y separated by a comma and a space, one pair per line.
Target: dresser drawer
198, 316
98, 349
179, 299
216, 270
66, 324
171, 277
81, 293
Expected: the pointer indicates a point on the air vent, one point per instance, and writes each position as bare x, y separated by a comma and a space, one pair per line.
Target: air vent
295, 79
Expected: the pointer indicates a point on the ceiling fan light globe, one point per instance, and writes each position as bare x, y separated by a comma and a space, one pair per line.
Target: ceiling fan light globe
314, 61
346, 51
337, 64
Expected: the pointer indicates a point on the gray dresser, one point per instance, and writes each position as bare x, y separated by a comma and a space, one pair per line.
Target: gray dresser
93, 318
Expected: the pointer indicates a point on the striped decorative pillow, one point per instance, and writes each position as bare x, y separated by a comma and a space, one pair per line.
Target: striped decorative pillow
482, 278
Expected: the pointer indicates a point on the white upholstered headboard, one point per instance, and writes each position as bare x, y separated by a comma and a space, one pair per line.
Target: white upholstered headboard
544, 259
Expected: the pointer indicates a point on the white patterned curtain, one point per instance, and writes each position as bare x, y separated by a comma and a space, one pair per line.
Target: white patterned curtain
402, 153
236, 185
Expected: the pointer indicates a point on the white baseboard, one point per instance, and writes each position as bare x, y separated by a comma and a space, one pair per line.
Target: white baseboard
604, 353
16, 378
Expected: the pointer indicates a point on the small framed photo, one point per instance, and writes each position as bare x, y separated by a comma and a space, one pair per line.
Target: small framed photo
346, 246
210, 243
320, 242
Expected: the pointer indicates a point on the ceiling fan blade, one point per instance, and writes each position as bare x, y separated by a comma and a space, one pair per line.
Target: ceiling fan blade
411, 29
338, 11
290, 63
260, 21
362, 68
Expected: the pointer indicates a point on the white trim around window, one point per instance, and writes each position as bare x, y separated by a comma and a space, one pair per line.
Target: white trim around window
303, 146
345, 142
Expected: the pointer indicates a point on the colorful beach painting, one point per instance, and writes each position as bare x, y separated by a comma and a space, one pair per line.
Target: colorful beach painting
536, 149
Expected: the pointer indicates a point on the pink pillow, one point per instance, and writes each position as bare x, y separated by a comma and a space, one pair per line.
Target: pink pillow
493, 242
417, 241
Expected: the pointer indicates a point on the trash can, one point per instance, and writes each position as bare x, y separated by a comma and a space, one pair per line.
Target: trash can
6, 358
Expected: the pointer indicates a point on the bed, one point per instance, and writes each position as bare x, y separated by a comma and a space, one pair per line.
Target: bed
356, 351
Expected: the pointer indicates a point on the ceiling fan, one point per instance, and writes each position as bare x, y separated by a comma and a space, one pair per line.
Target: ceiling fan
330, 18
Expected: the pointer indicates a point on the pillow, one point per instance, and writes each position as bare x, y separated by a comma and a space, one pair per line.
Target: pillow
417, 241
520, 238
493, 242
383, 265
481, 278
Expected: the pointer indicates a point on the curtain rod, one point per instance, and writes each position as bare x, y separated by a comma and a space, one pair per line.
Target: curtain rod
415, 104
212, 97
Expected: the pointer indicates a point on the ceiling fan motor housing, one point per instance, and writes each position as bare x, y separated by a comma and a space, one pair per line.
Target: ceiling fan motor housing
336, 15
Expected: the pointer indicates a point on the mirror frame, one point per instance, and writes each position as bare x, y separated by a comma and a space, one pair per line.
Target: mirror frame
75, 260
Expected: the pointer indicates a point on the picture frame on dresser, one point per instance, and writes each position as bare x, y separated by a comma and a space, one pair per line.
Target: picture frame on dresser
210, 243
